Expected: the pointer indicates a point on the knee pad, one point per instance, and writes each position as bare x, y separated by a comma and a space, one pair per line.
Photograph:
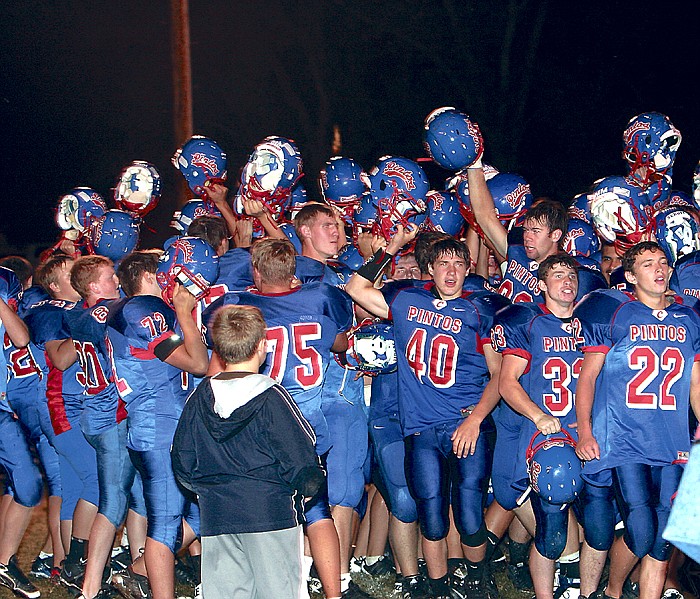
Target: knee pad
475, 539
28, 486
403, 506
166, 530
598, 517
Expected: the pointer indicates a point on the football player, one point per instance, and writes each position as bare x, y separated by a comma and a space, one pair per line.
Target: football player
445, 394
639, 375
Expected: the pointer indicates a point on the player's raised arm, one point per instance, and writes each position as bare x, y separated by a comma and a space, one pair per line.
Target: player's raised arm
361, 285
192, 355
14, 326
485, 210
587, 447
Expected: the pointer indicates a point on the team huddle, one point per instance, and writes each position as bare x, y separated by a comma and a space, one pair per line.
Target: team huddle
395, 381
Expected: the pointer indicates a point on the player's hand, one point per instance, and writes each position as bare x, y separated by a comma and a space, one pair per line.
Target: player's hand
403, 236
547, 424
465, 437
364, 244
254, 208
243, 235
217, 193
183, 301
587, 448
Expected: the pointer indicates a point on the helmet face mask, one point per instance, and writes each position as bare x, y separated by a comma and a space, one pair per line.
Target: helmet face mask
398, 188
651, 142
191, 262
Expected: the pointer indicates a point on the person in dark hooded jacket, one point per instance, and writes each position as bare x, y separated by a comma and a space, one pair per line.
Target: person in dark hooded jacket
244, 448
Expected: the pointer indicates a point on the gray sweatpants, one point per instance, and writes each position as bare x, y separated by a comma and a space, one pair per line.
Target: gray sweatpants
257, 565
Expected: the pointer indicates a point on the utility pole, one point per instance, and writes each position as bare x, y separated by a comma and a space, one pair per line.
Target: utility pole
182, 83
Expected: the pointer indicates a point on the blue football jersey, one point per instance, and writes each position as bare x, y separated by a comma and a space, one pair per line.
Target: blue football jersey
88, 330
519, 283
439, 347
640, 410
550, 345
154, 391
46, 321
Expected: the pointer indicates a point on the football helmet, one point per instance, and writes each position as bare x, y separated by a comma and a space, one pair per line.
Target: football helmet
696, 186
182, 219
451, 139
10, 288
190, 261
200, 160
679, 198
351, 257
581, 239
374, 348
579, 208
342, 184
511, 196
271, 172
138, 188
553, 468
443, 213
115, 235
398, 187
79, 208
297, 201
676, 231
620, 211
650, 145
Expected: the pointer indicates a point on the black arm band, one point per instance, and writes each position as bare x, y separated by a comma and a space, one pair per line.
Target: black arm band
371, 269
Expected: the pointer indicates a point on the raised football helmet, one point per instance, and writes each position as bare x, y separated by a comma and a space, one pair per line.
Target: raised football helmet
200, 160
342, 184
451, 139
271, 172
297, 201
650, 145
79, 208
579, 208
554, 468
115, 235
620, 211
398, 187
511, 196
10, 288
138, 188
182, 219
351, 257
443, 213
581, 239
190, 261
676, 231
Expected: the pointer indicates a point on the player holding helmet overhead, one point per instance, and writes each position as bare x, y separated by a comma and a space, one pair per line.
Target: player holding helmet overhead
639, 375
444, 364
154, 345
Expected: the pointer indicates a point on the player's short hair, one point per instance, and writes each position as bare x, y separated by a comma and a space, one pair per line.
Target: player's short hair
132, 267
47, 273
86, 270
450, 247
20, 266
424, 240
236, 332
275, 260
308, 214
549, 213
550, 262
210, 228
630, 256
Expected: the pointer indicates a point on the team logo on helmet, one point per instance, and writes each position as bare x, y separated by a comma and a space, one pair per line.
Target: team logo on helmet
570, 239
394, 169
436, 199
516, 198
205, 162
635, 127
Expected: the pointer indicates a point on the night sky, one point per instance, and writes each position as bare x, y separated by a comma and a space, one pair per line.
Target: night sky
85, 87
